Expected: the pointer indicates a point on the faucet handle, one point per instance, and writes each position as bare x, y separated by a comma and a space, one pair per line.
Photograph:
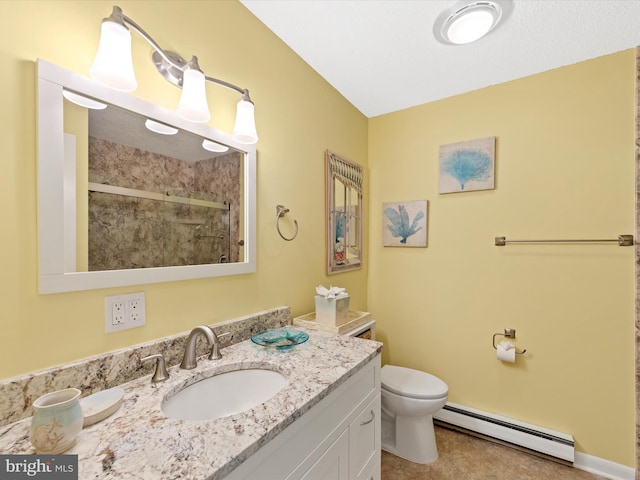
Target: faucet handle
215, 348
160, 374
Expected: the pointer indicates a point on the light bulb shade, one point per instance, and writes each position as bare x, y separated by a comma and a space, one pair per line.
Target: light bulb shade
212, 146
113, 65
83, 101
160, 128
244, 130
193, 102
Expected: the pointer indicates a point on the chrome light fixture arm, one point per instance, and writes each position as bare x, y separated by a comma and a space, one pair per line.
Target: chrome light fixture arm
230, 86
117, 14
170, 65
113, 67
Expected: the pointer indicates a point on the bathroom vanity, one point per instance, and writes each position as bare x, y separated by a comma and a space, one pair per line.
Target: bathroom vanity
324, 423
337, 439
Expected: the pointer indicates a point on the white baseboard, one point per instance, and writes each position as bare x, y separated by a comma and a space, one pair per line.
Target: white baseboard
538, 439
531, 437
602, 467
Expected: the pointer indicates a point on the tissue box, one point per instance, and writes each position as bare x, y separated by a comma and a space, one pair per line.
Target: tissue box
332, 311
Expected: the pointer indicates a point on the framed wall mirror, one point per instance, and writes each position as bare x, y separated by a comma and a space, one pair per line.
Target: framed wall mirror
129, 193
344, 186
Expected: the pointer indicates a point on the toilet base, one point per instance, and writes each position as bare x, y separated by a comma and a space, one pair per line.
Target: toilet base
414, 438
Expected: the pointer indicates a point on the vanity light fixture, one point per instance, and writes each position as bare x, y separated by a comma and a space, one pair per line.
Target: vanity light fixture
160, 128
469, 20
214, 146
113, 67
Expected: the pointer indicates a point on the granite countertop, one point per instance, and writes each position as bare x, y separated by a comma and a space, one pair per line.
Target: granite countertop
140, 442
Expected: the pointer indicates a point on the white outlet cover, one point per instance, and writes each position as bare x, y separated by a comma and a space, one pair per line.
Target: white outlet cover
133, 315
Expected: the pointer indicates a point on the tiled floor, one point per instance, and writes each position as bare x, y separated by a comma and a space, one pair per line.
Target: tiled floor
463, 457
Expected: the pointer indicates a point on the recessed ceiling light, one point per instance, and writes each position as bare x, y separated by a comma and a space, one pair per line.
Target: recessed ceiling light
160, 128
469, 20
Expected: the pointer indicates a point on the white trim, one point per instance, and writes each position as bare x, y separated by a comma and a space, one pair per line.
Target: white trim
53, 234
69, 199
604, 468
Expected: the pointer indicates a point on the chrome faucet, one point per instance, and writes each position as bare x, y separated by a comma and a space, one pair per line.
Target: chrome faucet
189, 360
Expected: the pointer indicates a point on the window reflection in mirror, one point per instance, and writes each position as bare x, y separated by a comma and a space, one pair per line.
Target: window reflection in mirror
150, 195
344, 185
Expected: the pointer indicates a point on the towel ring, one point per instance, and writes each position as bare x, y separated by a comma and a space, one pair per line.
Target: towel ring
281, 210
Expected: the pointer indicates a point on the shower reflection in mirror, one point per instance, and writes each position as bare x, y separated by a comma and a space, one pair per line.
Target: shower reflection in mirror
158, 196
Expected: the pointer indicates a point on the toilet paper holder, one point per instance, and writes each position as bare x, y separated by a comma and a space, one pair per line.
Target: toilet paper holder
508, 333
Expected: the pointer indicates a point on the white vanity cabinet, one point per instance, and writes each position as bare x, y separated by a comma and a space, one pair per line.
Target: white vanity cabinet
339, 438
364, 443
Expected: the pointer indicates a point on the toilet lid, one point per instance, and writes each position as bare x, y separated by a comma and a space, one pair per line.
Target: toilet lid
412, 383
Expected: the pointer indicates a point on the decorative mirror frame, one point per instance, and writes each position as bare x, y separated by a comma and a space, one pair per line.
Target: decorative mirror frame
351, 175
57, 191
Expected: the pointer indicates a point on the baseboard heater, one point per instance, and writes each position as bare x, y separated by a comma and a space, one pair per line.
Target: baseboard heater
540, 441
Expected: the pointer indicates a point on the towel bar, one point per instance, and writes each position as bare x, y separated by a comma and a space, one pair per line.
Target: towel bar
622, 240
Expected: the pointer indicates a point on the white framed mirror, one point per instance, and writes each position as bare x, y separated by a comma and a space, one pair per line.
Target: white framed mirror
344, 186
123, 204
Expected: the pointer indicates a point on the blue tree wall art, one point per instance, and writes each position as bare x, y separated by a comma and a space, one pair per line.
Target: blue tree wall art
405, 224
467, 166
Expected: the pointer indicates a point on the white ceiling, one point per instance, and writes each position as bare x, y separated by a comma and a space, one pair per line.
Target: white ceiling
381, 55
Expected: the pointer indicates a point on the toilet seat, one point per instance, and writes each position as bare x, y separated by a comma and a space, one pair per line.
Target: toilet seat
412, 383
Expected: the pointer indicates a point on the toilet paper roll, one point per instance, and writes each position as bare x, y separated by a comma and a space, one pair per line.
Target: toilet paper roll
506, 352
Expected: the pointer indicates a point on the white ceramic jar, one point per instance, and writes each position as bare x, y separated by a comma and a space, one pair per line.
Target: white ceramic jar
57, 421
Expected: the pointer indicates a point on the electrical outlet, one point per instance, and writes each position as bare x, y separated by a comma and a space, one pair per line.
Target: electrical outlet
117, 313
122, 312
136, 310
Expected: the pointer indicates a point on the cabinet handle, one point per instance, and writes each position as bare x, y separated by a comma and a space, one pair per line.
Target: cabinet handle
373, 415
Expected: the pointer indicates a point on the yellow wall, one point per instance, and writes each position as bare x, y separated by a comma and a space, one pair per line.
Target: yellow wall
564, 169
298, 116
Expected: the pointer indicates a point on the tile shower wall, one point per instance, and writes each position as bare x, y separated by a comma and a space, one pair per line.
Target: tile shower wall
131, 232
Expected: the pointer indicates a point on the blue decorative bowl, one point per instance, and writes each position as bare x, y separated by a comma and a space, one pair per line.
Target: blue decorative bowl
280, 338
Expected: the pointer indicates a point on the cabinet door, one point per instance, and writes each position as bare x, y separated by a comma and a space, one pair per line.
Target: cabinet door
371, 471
364, 441
334, 462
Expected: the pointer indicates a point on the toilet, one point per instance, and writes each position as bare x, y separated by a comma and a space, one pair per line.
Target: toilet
409, 400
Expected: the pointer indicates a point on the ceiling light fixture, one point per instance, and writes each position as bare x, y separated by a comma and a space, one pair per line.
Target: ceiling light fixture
160, 128
83, 101
214, 146
113, 67
469, 20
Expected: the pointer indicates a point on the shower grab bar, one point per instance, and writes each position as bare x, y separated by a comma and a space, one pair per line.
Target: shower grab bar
162, 197
622, 240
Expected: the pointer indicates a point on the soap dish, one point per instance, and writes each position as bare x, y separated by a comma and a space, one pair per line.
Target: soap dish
281, 338
100, 405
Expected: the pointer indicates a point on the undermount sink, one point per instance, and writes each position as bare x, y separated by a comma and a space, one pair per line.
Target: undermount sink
224, 394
